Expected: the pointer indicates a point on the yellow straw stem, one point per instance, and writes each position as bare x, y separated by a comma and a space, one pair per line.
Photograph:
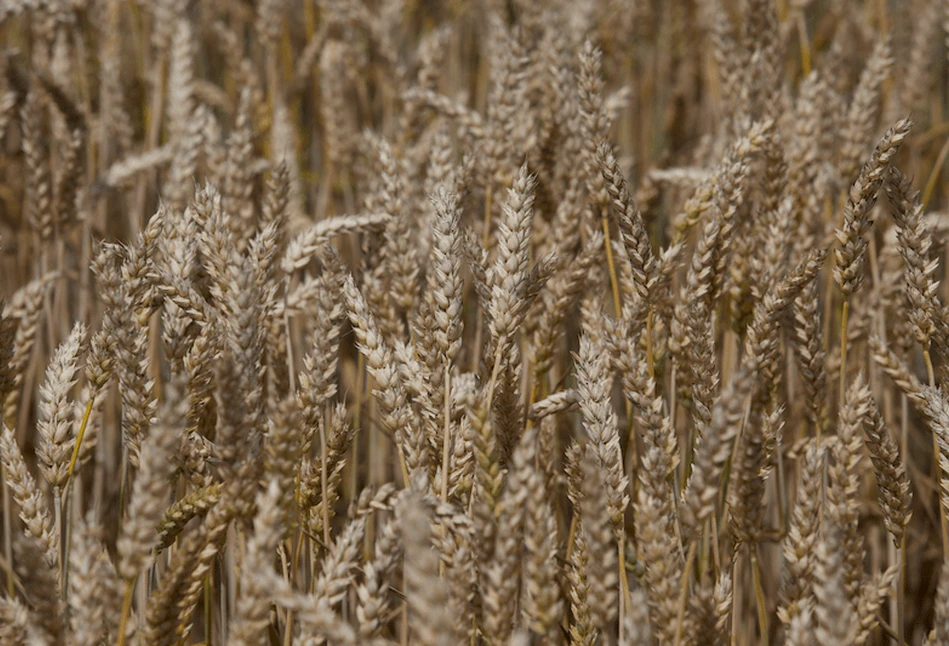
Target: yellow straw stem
126, 611
684, 591
623, 577
942, 508
805, 44
934, 173
650, 359
844, 315
614, 281
759, 596
900, 587
82, 433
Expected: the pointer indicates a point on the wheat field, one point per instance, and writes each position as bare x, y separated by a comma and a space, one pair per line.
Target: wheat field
474, 322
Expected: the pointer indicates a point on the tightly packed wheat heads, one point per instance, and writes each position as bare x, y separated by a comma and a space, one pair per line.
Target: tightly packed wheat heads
398, 322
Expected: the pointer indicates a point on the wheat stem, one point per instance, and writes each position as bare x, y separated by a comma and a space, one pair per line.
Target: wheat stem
324, 484
650, 357
79, 436
610, 264
126, 611
759, 595
844, 314
901, 590
684, 591
934, 173
7, 531
804, 43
